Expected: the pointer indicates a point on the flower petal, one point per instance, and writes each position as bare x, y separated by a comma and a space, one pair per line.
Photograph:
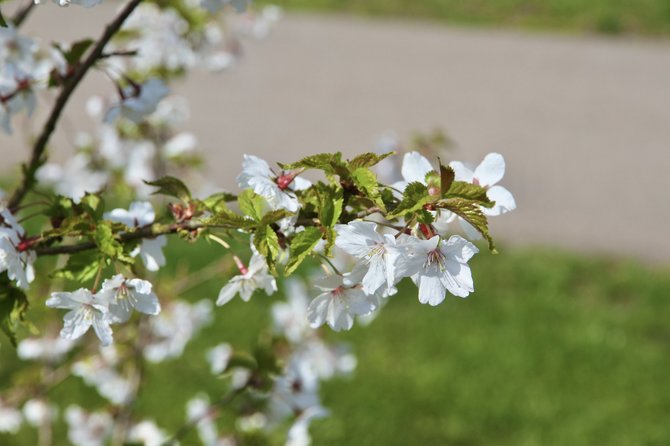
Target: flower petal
491, 170
415, 167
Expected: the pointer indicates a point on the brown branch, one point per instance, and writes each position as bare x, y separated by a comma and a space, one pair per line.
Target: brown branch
36, 158
22, 14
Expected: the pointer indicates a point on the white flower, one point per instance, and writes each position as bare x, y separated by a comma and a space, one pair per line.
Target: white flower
290, 318
139, 214
298, 434
218, 357
74, 179
88, 429
86, 309
277, 190
378, 253
46, 348
198, 411
487, 174
445, 268
138, 101
173, 328
18, 262
341, 300
10, 418
123, 295
414, 169
147, 433
254, 277
38, 413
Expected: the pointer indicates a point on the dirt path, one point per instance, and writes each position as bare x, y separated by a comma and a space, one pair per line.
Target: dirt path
584, 123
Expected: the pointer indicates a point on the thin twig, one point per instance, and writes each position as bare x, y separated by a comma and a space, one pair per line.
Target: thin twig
37, 155
22, 14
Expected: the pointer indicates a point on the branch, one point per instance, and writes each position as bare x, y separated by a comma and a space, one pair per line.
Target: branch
145, 232
22, 14
36, 158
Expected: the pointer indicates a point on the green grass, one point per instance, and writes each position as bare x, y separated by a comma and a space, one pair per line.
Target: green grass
552, 349
645, 17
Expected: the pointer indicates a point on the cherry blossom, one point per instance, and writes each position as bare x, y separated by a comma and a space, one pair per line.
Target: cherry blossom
254, 277
138, 101
276, 189
124, 295
86, 309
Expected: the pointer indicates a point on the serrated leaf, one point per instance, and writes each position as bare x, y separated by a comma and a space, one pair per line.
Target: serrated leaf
368, 159
227, 218
469, 191
172, 187
330, 163
267, 245
80, 267
471, 212
330, 206
414, 198
301, 246
365, 181
251, 204
447, 176
274, 216
13, 307
217, 201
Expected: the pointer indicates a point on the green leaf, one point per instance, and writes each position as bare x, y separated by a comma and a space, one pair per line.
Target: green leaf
447, 176
104, 239
93, 205
469, 191
414, 198
330, 163
80, 267
368, 159
301, 246
3, 22
227, 218
218, 201
275, 216
251, 205
267, 245
172, 187
77, 50
13, 307
470, 211
330, 205
365, 181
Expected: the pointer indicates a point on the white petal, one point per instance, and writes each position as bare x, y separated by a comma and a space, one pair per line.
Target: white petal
151, 252
469, 230
491, 170
75, 324
431, 290
300, 184
504, 201
228, 292
463, 172
147, 303
318, 309
103, 330
459, 249
415, 167
375, 276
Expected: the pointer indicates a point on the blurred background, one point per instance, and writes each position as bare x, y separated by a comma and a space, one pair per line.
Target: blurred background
566, 340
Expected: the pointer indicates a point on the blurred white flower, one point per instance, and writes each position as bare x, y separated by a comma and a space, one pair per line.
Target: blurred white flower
10, 418
147, 433
88, 429
14, 257
138, 101
74, 179
45, 348
38, 412
218, 357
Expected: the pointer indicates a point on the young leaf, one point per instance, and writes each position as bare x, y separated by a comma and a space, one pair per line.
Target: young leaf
447, 176
77, 50
414, 198
3, 22
267, 245
366, 181
367, 160
469, 191
172, 187
470, 211
104, 239
330, 206
251, 205
301, 246
13, 307
330, 163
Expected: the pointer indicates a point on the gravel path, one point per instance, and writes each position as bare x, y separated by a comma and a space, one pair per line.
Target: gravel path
584, 123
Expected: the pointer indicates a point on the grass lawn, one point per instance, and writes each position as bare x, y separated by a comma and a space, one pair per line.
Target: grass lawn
645, 17
552, 349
